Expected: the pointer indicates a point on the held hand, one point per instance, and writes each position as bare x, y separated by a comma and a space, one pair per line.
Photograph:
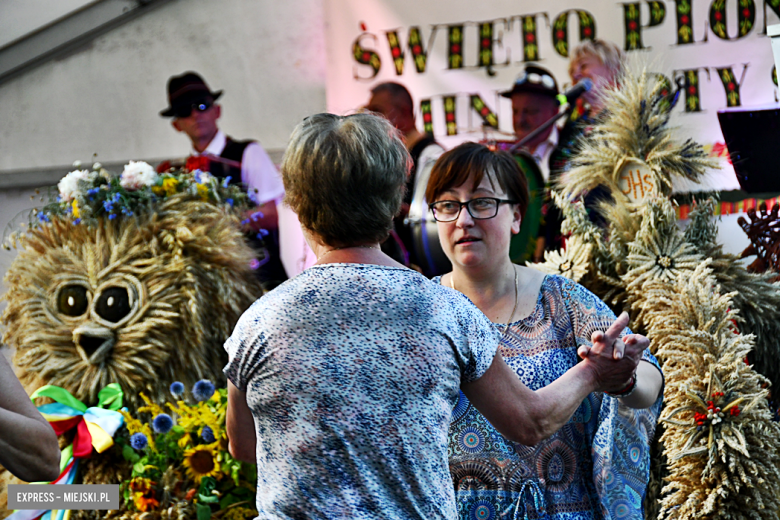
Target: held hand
607, 344
612, 360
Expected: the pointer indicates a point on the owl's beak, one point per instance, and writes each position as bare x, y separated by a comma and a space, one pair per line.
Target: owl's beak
93, 342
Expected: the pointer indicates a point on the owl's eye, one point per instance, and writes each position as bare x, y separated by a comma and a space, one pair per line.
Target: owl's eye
113, 304
72, 300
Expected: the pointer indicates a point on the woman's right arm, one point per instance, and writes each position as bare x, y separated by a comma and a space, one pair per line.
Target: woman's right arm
528, 416
28, 444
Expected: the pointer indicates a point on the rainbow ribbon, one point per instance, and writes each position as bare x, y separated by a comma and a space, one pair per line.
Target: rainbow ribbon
95, 428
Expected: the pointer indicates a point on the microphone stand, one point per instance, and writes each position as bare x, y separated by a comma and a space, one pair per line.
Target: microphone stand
544, 126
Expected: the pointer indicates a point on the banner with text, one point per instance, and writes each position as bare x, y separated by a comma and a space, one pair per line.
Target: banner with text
456, 56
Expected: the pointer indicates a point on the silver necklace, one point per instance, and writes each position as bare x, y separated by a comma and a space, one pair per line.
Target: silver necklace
506, 327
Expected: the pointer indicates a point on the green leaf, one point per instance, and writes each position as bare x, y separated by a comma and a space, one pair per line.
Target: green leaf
129, 454
204, 512
138, 468
228, 500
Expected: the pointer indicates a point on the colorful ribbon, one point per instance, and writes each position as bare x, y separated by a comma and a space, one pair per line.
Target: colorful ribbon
95, 428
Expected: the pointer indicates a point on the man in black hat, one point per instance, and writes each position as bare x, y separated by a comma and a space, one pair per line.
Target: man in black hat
192, 105
534, 96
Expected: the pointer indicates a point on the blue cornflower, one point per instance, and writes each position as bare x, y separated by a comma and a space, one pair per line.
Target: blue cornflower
115, 198
203, 390
92, 191
245, 222
112, 216
252, 194
59, 198
162, 423
230, 202
77, 222
226, 181
43, 217
207, 434
177, 388
257, 215
138, 441
108, 206
68, 209
262, 233
196, 174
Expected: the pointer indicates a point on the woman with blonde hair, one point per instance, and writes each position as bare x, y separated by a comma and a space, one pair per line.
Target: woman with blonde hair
597, 465
601, 62
342, 380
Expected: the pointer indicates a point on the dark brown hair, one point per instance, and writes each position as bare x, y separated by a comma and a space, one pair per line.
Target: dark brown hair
454, 168
400, 94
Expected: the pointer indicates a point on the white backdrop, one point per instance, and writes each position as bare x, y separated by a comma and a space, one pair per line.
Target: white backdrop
728, 55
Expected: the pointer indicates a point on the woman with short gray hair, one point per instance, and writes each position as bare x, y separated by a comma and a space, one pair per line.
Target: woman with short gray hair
342, 380
328, 153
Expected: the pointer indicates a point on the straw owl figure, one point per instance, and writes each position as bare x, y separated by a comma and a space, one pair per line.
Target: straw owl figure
141, 301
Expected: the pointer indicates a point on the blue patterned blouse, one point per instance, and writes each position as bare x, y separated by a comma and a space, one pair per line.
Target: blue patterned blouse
351, 372
596, 466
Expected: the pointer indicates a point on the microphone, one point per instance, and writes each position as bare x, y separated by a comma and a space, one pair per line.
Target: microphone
576, 91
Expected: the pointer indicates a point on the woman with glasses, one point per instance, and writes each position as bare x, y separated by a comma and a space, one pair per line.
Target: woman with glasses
595, 466
342, 380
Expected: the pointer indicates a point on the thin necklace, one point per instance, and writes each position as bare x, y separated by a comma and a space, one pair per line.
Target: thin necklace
326, 253
506, 327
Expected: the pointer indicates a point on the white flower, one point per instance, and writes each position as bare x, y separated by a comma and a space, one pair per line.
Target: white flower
69, 185
97, 166
136, 175
202, 177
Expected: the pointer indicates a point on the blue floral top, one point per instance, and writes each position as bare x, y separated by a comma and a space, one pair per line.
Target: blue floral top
596, 466
351, 372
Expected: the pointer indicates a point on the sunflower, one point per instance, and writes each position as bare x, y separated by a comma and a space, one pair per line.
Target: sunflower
201, 461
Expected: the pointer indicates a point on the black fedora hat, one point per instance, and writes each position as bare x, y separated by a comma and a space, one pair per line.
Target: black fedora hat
186, 90
534, 79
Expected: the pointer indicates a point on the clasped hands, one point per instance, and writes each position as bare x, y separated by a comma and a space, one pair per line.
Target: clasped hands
613, 359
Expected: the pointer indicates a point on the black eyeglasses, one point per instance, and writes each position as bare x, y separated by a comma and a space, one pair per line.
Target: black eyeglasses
480, 209
186, 111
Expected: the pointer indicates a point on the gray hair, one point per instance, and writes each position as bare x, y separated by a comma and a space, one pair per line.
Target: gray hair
608, 53
344, 176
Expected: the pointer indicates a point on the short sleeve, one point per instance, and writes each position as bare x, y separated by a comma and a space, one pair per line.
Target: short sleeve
245, 349
478, 339
259, 172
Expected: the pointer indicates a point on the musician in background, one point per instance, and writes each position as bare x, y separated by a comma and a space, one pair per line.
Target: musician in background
534, 96
602, 62
394, 102
193, 109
